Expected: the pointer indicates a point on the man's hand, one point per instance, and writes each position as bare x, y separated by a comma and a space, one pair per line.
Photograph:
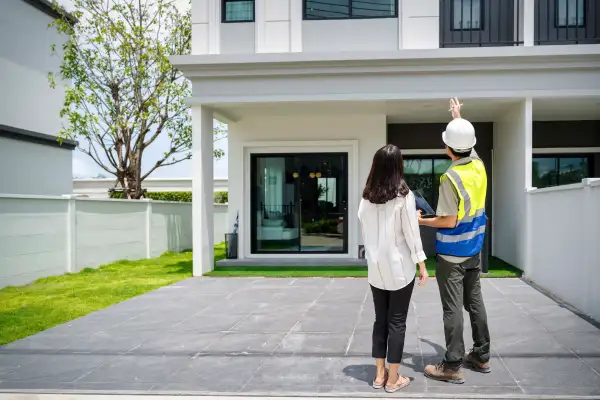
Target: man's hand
455, 106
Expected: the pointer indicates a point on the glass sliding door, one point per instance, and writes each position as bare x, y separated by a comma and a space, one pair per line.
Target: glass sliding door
299, 203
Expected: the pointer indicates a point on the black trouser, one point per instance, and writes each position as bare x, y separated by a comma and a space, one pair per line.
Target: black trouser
389, 329
460, 285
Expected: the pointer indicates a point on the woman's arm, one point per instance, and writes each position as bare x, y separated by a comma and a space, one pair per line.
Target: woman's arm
410, 228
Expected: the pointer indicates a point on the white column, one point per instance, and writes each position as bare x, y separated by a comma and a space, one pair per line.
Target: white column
528, 22
512, 177
202, 189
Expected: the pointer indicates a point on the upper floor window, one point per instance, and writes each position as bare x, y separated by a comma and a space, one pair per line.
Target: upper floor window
467, 15
347, 9
570, 13
560, 170
238, 10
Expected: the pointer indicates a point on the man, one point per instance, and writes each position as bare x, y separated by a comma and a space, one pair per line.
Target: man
460, 219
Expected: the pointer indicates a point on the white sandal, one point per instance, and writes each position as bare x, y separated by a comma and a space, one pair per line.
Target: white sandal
401, 383
382, 384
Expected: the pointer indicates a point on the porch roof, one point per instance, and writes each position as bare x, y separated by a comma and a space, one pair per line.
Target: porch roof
492, 73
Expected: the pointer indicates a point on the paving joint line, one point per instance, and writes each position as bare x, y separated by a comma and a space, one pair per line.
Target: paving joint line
358, 319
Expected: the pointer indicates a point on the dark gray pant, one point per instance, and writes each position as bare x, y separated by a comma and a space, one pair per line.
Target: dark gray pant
460, 285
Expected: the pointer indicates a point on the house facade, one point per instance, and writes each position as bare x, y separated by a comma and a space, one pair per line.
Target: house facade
31, 159
311, 89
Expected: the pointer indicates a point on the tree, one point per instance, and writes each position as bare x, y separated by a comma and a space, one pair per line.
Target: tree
123, 92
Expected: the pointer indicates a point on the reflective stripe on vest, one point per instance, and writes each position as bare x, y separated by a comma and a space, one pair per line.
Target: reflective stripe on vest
466, 239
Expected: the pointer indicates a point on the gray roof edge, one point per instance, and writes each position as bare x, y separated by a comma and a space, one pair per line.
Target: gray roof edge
24, 135
48, 8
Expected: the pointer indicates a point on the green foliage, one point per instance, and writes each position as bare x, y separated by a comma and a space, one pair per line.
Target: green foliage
321, 226
123, 92
221, 197
186, 197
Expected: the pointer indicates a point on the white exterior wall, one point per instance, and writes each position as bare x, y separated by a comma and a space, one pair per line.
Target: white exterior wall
279, 28
42, 236
30, 103
511, 177
221, 213
25, 61
369, 132
31, 168
419, 24
98, 188
565, 227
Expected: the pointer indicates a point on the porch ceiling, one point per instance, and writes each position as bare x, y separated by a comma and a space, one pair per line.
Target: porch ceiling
572, 109
397, 111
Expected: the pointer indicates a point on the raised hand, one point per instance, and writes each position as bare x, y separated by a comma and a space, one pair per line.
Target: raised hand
455, 106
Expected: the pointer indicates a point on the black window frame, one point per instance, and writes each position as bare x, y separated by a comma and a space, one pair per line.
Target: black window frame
224, 14
432, 158
482, 4
558, 156
349, 17
568, 25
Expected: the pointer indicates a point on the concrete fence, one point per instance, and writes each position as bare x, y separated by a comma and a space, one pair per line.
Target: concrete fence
564, 238
42, 236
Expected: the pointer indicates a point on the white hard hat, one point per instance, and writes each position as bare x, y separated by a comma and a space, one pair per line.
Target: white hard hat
459, 135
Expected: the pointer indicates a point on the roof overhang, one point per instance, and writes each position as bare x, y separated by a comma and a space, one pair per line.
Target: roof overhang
48, 8
24, 135
493, 72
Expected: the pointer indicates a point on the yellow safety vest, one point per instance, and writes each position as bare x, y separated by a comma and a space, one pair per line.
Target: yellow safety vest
466, 239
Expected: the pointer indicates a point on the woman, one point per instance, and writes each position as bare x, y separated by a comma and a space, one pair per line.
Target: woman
390, 228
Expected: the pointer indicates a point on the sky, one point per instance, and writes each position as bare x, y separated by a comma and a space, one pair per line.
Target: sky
85, 167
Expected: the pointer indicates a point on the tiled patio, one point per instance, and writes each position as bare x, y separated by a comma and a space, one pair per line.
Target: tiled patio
298, 337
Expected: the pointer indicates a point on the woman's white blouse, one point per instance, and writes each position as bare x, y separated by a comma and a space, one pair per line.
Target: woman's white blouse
392, 241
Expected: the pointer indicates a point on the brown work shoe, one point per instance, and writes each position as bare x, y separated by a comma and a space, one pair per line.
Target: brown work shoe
476, 365
442, 372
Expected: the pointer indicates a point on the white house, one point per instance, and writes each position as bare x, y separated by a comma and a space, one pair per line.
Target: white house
31, 159
311, 89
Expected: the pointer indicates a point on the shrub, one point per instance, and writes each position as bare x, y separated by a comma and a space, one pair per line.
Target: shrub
185, 197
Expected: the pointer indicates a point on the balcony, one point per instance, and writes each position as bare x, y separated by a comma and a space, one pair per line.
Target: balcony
485, 23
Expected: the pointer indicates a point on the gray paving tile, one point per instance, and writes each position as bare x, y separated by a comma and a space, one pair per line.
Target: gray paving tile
314, 343
43, 342
110, 342
480, 391
108, 387
58, 367
572, 391
245, 343
49, 384
210, 373
326, 325
182, 343
267, 323
209, 323
136, 369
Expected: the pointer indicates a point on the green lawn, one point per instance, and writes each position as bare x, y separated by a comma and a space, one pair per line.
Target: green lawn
497, 269
25, 310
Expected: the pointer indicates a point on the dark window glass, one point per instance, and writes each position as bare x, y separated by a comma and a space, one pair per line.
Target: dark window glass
345, 9
570, 13
467, 15
238, 10
560, 170
423, 176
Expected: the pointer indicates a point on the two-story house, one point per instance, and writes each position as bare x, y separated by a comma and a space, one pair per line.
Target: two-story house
312, 88
32, 162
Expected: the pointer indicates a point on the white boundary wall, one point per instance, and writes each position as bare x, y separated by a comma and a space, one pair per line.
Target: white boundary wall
42, 236
564, 239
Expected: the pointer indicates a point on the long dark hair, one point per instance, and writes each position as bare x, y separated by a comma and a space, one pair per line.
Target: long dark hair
386, 179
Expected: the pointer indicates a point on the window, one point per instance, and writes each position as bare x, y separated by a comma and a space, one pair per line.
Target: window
570, 13
560, 170
423, 174
346, 9
238, 10
467, 15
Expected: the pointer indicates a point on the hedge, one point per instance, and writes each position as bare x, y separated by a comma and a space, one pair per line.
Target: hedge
186, 197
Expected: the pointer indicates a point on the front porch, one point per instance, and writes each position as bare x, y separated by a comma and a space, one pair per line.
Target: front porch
297, 125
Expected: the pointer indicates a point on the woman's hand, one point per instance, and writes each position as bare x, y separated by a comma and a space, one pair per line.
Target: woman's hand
423, 274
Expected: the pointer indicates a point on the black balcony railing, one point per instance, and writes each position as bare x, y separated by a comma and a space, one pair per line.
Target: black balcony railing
479, 23
567, 22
